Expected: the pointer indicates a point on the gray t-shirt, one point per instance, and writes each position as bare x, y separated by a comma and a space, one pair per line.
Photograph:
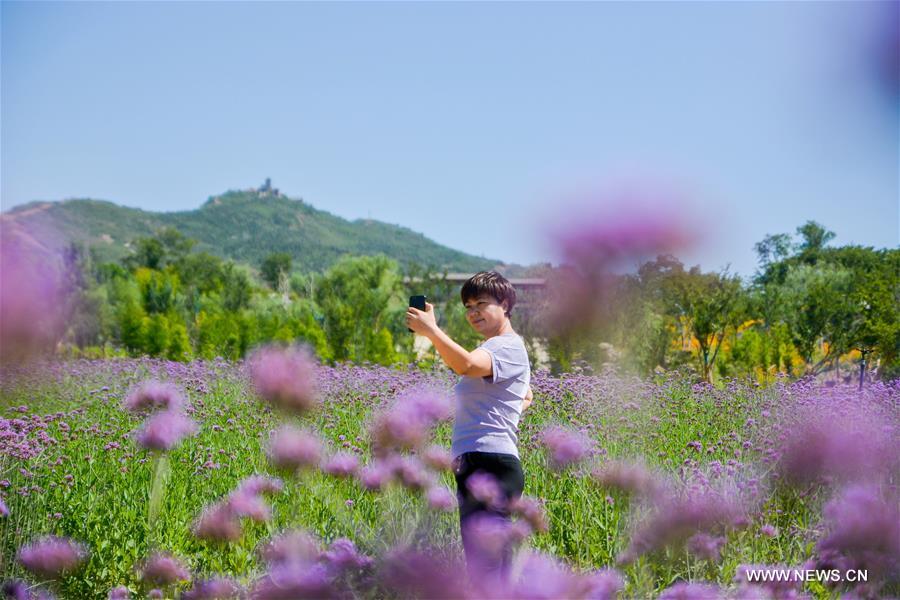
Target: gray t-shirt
488, 408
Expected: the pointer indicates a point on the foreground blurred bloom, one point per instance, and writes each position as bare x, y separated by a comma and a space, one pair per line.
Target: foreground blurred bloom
342, 464
154, 395
440, 498
547, 579
827, 442
15, 589
218, 523
485, 488
437, 458
566, 446
774, 582
631, 478
164, 430
863, 532
285, 377
163, 569
247, 501
691, 591
619, 231
4, 511
532, 511
218, 588
421, 574
406, 424
31, 299
293, 449
676, 518
52, 557
343, 555
705, 546
291, 546
294, 581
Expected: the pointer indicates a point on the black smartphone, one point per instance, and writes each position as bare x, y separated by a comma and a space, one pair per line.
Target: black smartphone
417, 302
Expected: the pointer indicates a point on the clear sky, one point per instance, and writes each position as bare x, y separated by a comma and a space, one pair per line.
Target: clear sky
464, 121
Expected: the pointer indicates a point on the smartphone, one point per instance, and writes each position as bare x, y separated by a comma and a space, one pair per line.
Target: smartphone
417, 302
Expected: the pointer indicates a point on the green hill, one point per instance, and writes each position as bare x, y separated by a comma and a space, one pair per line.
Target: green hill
245, 226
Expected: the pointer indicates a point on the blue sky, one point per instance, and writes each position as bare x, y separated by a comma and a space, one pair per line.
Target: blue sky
464, 121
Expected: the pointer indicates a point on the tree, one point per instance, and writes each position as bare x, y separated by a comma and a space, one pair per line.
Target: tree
275, 269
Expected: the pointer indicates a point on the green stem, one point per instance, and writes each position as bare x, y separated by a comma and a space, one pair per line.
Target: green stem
159, 479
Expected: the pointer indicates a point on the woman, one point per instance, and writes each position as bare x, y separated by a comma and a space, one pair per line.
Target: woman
492, 393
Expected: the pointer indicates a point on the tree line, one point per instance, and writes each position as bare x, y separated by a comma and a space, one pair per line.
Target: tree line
808, 309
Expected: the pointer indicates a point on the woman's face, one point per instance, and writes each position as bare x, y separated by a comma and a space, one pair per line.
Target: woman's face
485, 314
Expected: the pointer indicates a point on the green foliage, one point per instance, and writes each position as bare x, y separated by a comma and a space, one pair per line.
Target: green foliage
275, 269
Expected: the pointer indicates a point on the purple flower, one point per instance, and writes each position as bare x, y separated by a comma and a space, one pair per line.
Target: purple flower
375, 475
291, 547
548, 579
691, 591
485, 488
260, 484
342, 555
566, 446
293, 581
440, 498
632, 478
164, 430
678, 517
4, 511
705, 546
605, 584
218, 523
532, 511
154, 395
15, 589
285, 377
155, 594
119, 593
52, 557
218, 588
342, 464
411, 473
406, 424
414, 573
863, 531
292, 449
31, 298
163, 569
437, 458
768, 530
243, 503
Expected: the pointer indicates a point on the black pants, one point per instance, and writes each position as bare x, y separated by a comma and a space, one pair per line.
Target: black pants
507, 470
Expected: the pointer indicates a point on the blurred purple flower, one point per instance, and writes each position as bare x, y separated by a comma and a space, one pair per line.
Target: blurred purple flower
566, 446
532, 511
32, 294
678, 517
605, 584
342, 555
163, 569
405, 425
15, 589
342, 464
51, 557
705, 546
260, 484
218, 523
411, 473
437, 458
289, 547
440, 498
414, 573
218, 588
294, 581
119, 593
485, 488
863, 530
164, 430
285, 377
156, 594
154, 395
292, 449
684, 590
548, 579
632, 478
4, 511
375, 476
782, 583
243, 503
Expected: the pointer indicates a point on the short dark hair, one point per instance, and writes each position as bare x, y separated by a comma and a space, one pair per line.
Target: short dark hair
493, 284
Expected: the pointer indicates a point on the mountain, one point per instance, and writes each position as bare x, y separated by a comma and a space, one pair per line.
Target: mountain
245, 226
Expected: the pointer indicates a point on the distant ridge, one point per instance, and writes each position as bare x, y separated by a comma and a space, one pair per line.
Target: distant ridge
245, 226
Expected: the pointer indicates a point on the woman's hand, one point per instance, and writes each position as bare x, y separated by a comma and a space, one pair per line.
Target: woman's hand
422, 321
529, 396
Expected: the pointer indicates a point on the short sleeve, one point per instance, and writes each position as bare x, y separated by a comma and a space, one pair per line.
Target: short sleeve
509, 361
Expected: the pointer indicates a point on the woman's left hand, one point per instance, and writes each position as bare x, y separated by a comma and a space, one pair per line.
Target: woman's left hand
421, 321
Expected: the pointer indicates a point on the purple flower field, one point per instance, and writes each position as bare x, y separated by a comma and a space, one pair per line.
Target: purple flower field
277, 478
